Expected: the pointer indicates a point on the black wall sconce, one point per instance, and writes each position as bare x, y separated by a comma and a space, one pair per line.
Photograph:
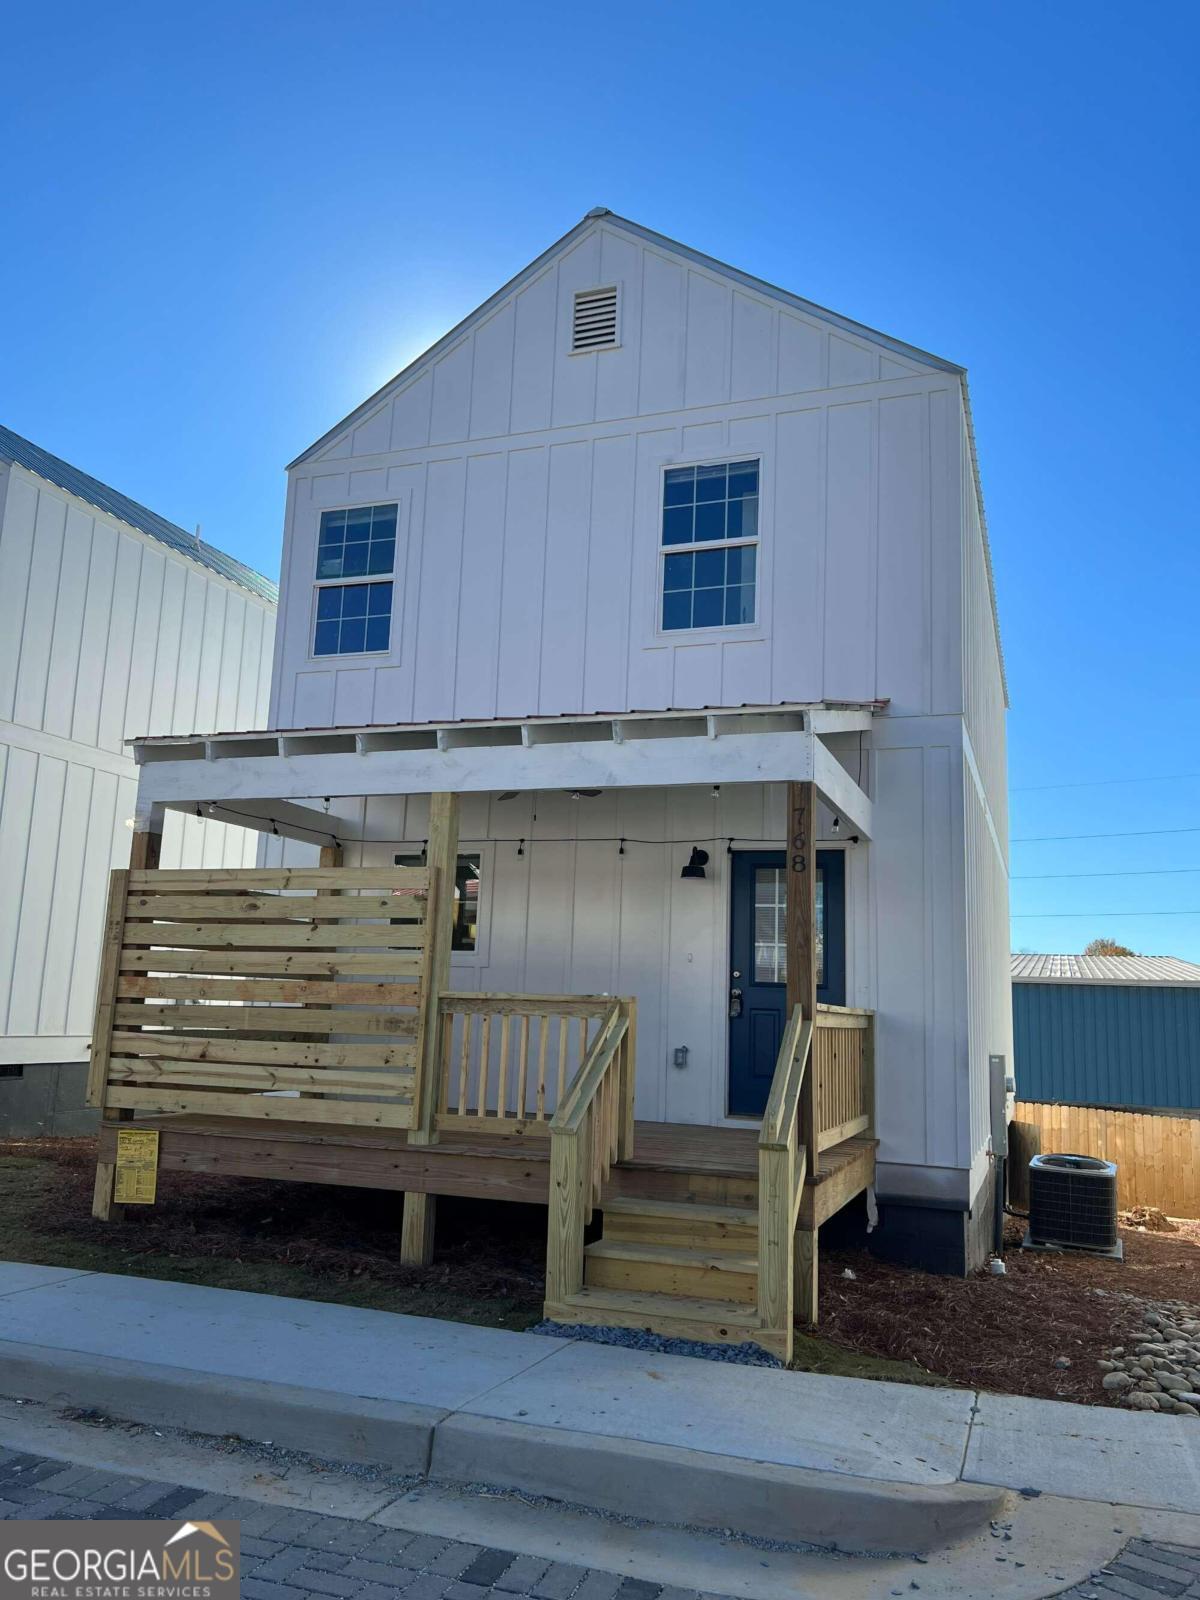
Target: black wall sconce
697, 862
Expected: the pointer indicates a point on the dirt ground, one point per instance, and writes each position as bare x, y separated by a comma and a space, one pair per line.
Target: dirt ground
1006, 1334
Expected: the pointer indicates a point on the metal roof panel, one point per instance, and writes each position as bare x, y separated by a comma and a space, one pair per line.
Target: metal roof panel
61, 473
1104, 969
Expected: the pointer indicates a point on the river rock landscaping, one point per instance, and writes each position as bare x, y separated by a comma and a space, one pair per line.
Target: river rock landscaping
1159, 1369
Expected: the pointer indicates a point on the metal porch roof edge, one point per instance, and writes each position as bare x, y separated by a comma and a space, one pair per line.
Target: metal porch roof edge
674, 713
53, 469
1127, 971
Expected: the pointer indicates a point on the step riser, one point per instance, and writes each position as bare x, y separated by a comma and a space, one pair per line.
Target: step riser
671, 1327
653, 1277
629, 1183
737, 1238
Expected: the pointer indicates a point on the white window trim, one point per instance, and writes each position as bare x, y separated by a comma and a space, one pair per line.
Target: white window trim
342, 583
718, 630
597, 288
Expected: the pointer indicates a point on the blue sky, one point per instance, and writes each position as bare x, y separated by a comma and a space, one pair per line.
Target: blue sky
225, 225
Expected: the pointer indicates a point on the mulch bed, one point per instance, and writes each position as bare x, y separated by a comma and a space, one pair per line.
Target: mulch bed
1004, 1334
483, 1252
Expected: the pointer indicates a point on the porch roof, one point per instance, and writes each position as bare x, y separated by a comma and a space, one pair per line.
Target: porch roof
258, 773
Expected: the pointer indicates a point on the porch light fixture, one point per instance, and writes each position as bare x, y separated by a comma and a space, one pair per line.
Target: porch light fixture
837, 825
697, 862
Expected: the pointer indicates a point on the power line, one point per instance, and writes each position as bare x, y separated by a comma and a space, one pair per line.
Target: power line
1026, 915
1130, 833
1104, 783
1136, 872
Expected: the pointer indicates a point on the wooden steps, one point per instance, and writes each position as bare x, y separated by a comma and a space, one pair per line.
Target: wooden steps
681, 1223
658, 1268
682, 1268
675, 1316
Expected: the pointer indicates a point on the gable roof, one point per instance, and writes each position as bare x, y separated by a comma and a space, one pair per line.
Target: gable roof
23, 453
1105, 970
601, 216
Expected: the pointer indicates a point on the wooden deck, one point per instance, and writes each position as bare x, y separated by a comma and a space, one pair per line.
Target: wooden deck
672, 1161
298, 1024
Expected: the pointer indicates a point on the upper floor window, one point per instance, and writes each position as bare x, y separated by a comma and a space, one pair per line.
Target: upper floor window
355, 618
710, 545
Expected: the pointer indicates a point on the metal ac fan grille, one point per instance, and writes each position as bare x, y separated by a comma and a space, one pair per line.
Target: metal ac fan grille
1071, 1203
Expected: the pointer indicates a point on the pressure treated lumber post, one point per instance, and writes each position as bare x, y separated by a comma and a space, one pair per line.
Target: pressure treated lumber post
775, 1265
146, 847
145, 850
567, 1219
416, 1235
627, 1085
802, 991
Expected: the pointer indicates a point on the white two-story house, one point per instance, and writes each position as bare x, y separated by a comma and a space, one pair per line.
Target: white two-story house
668, 575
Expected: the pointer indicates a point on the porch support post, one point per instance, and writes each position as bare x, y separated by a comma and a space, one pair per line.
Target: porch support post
802, 992
416, 1237
146, 848
145, 851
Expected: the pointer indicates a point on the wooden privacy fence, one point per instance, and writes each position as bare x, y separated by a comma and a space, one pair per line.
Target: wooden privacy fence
1158, 1157
843, 1058
592, 1128
507, 1059
290, 994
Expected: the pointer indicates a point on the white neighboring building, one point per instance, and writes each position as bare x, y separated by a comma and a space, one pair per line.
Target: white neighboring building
113, 623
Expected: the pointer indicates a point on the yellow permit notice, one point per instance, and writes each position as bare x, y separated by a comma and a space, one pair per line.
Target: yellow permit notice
137, 1167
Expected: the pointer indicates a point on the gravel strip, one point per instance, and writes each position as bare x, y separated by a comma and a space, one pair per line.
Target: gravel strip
742, 1355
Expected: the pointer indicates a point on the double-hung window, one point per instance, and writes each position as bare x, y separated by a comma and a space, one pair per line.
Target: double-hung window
709, 545
356, 560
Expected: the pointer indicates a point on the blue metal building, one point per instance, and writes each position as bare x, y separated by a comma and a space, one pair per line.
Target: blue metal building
1116, 1031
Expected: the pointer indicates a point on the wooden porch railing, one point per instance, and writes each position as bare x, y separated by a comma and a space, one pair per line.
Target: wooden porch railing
782, 1168
592, 1128
507, 1059
843, 1054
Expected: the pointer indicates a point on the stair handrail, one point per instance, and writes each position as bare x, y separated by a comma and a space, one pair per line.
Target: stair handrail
783, 1102
591, 1129
782, 1168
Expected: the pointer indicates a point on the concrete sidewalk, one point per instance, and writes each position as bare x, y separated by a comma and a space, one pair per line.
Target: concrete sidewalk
770, 1453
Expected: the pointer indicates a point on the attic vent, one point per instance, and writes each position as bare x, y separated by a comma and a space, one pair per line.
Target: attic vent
595, 325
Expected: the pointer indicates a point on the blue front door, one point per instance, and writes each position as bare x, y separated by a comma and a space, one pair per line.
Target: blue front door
758, 964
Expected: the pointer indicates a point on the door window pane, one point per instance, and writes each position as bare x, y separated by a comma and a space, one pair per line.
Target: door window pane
770, 925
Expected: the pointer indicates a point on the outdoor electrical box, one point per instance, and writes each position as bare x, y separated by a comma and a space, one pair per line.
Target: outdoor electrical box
1003, 1091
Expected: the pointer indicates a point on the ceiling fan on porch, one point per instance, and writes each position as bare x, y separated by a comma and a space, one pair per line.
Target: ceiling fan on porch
576, 794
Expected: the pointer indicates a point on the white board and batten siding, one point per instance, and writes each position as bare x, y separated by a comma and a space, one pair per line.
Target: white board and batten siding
108, 634
562, 911
529, 482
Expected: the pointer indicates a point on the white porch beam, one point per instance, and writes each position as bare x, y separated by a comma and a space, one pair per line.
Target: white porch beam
840, 792
840, 719
273, 816
593, 764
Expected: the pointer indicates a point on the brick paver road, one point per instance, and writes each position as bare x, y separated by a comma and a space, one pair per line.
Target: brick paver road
302, 1555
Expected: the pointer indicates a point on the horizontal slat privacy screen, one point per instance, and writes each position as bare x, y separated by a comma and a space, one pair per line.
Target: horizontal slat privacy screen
595, 319
291, 994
